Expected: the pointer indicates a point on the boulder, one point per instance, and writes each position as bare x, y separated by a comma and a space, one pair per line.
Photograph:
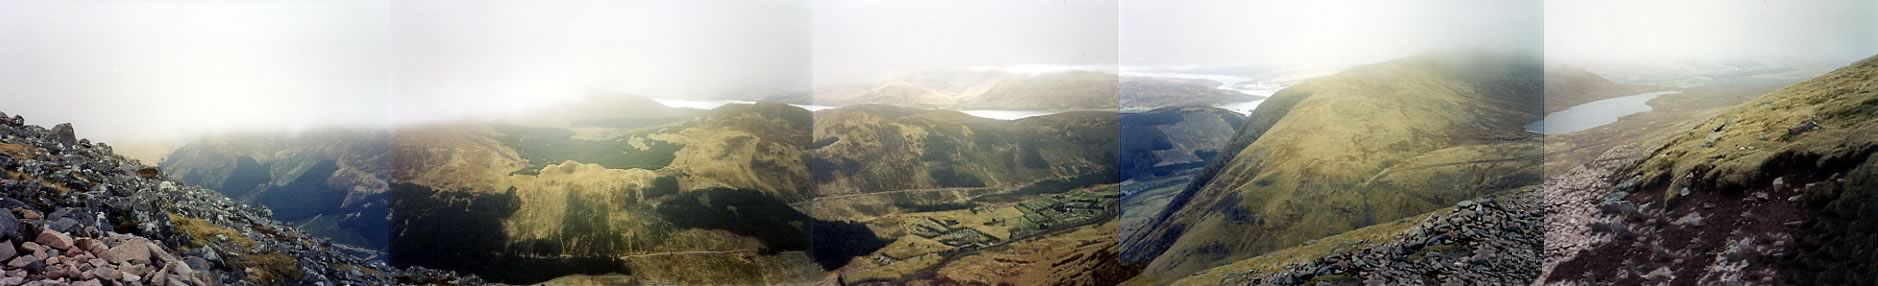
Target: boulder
64, 134
160, 254
22, 262
34, 248
9, 225
54, 239
92, 246
7, 251
134, 251
63, 224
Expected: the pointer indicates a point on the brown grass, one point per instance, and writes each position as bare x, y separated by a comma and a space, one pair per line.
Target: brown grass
16, 150
270, 269
201, 233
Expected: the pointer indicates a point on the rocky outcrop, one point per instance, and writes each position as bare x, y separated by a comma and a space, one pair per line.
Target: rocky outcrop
75, 213
1492, 240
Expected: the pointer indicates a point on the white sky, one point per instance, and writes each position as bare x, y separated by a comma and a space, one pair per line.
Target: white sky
1829, 32
460, 58
861, 40
1318, 34
142, 69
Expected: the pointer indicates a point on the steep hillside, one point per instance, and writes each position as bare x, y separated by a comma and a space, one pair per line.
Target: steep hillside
74, 212
743, 194
1493, 240
1777, 190
1162, 141
1567, 86
1816, 124
1372, 144
329, 182
866, 149
702, 201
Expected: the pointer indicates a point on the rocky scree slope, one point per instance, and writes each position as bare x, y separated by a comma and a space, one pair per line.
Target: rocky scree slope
1492, 240
1778, 190
330, 182
75, 213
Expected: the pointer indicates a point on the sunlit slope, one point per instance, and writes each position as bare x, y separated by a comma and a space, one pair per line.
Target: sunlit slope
1824, 122
1372, 144
701, 201
873, 148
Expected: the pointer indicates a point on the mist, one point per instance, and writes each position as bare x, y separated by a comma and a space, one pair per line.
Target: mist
1830, 32
476, 58
141, 70
1319, 34
858, 41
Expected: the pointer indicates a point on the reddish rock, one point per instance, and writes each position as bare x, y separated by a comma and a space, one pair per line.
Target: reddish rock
129, 252
54, 239
7, 251
91, 246
161, 255
22, 261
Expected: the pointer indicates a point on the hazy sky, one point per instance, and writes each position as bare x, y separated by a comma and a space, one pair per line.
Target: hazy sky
139, 69
457, 58
1805, 32
1310, 34
860, 40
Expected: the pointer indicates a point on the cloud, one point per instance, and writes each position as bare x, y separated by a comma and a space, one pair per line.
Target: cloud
1319, 33
1805, 32
140, 69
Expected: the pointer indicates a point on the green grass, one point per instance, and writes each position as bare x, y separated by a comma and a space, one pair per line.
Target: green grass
1757, 141
1372, 144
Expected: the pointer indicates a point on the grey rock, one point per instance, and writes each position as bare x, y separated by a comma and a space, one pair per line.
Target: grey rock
63, 134
7, 251
9, 225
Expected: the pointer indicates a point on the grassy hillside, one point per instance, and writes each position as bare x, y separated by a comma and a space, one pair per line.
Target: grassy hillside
1162, 141
1567, 86
1814, 137
1372, 144
1778, 189
704, 200
1823, 123
875, 148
